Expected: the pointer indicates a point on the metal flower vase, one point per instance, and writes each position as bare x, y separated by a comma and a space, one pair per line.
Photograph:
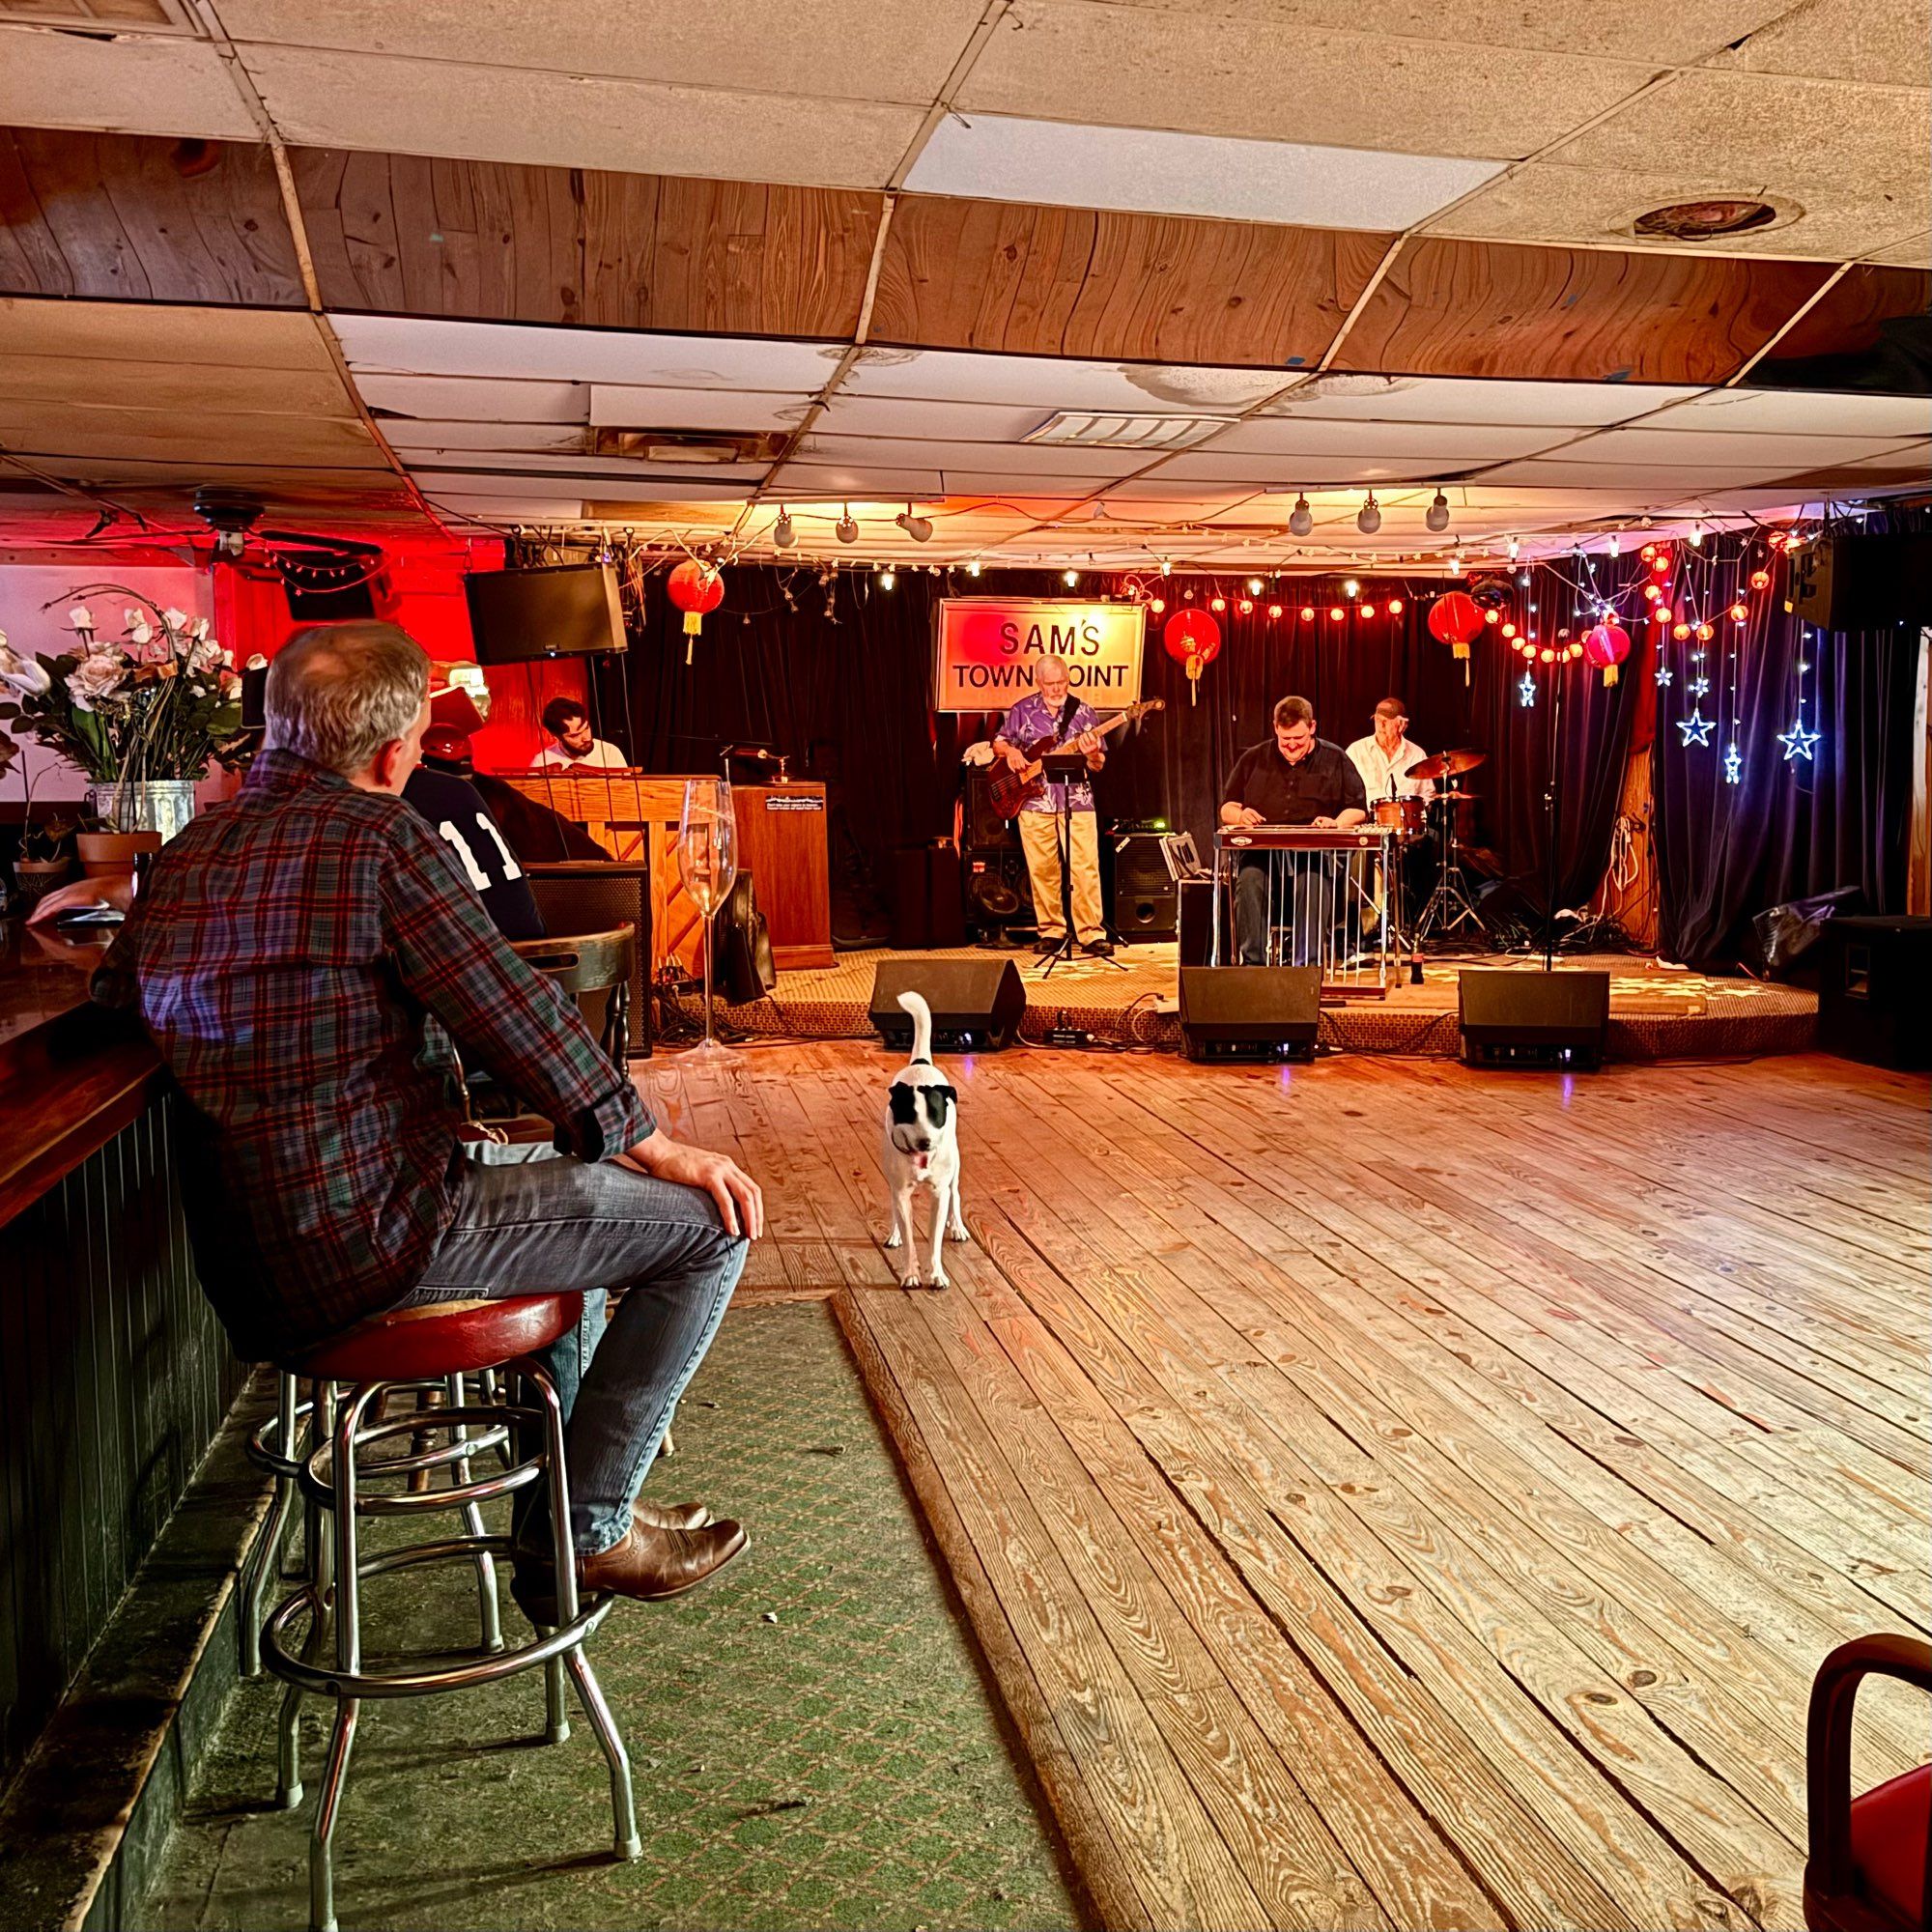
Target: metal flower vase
144, 805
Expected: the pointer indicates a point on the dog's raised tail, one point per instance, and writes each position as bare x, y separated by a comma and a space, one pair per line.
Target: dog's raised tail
921, 1026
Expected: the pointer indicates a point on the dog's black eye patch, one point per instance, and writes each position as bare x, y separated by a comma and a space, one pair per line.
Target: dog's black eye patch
904, 1104
937, 1100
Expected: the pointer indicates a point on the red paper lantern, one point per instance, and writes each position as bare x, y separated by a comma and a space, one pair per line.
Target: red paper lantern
1760, 579
1608, 645
1739, 612
1193, 638
1454, 619
1336, 613
695, 589
1395, 607
1660, 561
1308, 613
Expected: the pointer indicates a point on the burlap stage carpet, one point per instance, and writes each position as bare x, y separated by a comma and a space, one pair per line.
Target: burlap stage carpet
1656, 1012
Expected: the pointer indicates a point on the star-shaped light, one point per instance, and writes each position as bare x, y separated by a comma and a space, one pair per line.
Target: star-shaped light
1734, 766
1798, 741
1696, 728
1700, 687
1525, 690
1663, 674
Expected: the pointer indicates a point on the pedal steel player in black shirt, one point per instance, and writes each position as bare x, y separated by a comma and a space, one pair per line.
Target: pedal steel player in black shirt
1291, 779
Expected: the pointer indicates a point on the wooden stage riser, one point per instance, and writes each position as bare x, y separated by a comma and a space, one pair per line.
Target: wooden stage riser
1389, 1494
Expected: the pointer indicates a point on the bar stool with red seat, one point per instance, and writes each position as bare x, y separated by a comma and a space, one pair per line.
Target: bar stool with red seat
1868, 1869
431, 1342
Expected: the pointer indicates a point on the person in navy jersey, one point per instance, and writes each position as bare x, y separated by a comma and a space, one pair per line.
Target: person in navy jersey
440, 791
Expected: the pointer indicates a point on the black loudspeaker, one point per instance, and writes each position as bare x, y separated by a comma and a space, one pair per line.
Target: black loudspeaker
1516, 1017
1849, 581
1145, 905
996, 892
746, 970
1195, 920
927, 907
1871, 995
1250, 1013
983, 829
976, 1003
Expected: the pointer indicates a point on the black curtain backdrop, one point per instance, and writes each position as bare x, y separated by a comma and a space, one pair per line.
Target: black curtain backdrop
850, 701
1788, 828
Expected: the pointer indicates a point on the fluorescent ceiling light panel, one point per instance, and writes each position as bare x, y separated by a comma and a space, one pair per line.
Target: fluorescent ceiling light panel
997, 158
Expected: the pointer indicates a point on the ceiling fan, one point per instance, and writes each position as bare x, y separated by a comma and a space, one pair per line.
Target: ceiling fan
302, 556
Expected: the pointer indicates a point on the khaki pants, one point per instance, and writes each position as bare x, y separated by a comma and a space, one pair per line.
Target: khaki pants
1039, 837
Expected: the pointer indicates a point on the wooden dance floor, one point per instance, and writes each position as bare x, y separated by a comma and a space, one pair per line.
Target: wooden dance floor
1388, 1495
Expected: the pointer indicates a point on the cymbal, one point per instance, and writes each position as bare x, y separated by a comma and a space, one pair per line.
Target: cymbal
1446, 765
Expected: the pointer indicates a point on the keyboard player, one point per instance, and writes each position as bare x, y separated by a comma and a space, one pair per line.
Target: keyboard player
1293, 778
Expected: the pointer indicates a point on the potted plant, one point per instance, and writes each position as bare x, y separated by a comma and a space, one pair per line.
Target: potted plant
44, 861
142, 719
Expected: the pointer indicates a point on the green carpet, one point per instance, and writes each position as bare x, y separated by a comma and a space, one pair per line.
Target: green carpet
812, 1736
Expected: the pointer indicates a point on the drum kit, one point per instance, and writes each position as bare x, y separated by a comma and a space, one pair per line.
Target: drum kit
1450, 907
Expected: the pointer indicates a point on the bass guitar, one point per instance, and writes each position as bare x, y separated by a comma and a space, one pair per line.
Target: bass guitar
1010, 791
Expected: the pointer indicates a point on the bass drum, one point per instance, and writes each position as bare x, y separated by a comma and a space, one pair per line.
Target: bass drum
1403, 814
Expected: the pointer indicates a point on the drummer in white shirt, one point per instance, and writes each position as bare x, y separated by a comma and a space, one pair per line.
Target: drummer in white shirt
1384, 757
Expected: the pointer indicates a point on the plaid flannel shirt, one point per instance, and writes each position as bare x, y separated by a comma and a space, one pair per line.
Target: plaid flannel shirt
287, 958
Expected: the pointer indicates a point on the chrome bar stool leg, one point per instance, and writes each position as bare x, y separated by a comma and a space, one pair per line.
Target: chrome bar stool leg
623, 1803
321, 1555
263, 1558
488, 1607
348, 1656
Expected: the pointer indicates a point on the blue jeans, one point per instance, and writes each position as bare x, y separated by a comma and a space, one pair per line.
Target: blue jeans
531, 1221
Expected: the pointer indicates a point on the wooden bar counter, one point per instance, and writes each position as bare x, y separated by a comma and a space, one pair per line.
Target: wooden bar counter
114, 1373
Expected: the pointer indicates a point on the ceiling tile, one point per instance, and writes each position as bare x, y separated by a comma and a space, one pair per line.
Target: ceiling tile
421, 346
1799, 413
625, 406
1455, 445
217, 437
1329, 467
853, 49
168, 85
1692, 445
1053, 383
1640, 483
827, 480
1819, 219
850, 415
475, 399
1917, 253
218, 338
999, 158
1459, 399
1205, 73
411, 438
1012, 459
1764, 130
514, 114
1883, 41
1686, 31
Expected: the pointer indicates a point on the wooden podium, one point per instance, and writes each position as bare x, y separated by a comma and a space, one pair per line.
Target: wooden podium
781, 843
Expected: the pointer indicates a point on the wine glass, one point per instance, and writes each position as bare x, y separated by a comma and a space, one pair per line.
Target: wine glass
707, 862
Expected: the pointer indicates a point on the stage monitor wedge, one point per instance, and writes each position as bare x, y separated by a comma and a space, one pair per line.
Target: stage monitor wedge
976, 1003
1250, 1013
566, 609
1517, 1016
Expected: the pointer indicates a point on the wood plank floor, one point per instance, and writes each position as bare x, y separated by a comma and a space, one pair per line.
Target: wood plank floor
1391, 1495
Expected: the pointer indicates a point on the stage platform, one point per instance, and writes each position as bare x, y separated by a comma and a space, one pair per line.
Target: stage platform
1657, 1012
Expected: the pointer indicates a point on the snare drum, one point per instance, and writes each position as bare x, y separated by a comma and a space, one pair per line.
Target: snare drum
1405, 814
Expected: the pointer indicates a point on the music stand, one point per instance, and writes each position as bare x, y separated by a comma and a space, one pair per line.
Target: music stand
1066, 769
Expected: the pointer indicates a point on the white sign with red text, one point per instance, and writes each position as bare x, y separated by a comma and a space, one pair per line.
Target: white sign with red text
990, 648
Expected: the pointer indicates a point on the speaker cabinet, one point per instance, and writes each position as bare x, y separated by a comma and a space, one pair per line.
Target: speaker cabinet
996, 891
1194, 899
1524, 1018
1250, 1013
1871, 993
926, 905
1144, 904
976, 1003
982, 829
1852, 581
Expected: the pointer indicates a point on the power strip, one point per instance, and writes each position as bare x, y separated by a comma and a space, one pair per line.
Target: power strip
1068, 1035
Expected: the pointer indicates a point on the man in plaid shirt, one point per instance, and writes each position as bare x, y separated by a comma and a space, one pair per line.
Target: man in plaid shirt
288, 956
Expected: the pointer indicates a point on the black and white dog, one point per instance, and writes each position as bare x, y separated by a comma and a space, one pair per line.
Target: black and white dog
921, 1150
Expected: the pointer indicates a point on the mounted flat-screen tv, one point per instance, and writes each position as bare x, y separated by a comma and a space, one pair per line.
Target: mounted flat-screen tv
560, 610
